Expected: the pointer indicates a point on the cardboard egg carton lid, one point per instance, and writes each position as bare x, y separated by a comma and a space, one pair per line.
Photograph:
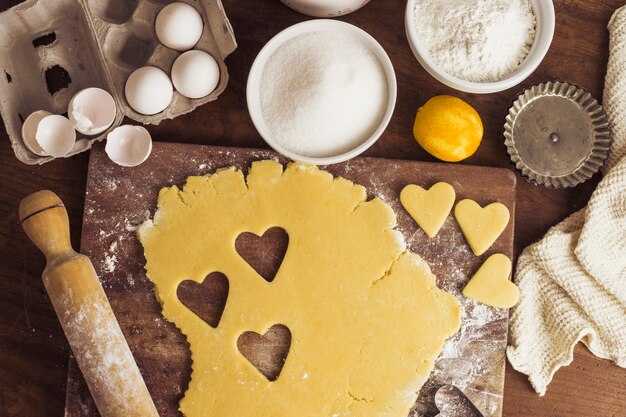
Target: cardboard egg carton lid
51, 49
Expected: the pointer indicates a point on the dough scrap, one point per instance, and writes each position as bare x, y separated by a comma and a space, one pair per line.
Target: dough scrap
366, 317
431, 208
490, 285
481, 226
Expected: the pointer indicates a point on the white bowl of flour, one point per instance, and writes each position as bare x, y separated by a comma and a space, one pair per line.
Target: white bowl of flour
321, 92
480, 46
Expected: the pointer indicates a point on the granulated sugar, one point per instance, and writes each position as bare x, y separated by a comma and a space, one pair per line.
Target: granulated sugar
476, 40
323, 93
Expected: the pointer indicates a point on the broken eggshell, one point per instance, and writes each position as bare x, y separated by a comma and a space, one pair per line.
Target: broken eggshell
56, 135
149, 90
29, 130
92, 111
128, 145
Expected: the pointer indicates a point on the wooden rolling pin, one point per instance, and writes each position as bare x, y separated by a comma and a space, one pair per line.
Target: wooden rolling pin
95, 337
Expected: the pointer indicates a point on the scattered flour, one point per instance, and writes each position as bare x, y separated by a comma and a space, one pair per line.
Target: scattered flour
110, 258
130, 227
130, 279
476, 40
110, 263
111, 185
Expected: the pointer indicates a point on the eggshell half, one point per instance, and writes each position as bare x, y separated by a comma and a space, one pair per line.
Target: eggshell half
128, 145
56, 135
29, 130
92, 111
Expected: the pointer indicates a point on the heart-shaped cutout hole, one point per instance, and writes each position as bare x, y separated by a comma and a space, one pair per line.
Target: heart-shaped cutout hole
452, 402
267, 352
264, 253
490, 284
206, 299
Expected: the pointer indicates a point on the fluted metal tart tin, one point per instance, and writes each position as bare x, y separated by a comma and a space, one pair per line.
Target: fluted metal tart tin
557, 134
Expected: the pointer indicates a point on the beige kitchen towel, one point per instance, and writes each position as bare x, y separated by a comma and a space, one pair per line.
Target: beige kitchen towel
573, 281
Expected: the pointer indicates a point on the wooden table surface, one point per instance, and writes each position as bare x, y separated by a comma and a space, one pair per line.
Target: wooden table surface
33, 349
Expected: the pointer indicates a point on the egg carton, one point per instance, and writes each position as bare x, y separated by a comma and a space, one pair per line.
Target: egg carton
51, 49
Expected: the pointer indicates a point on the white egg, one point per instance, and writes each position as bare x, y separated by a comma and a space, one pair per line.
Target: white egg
195, 74
128, 145
148, 90
92, 111
56, 135
179, 26
29, 130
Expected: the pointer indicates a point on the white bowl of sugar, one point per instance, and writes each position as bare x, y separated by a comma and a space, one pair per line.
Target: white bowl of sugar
480, 46
321, 92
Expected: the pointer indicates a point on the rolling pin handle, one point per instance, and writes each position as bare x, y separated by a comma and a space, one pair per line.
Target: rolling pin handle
46, 223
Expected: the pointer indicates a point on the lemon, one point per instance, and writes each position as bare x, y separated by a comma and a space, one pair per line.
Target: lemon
448, 128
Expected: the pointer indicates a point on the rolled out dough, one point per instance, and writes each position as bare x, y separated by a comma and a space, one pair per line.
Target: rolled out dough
366, 318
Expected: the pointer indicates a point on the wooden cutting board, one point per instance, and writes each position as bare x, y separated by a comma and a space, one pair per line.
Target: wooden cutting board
118, 199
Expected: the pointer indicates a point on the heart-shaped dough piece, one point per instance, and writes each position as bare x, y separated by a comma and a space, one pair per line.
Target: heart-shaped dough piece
481, 226
490, 284
429, 208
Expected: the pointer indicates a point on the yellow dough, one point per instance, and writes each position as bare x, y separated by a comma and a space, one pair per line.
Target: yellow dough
481, 226
366, 318
430, 208
490, 285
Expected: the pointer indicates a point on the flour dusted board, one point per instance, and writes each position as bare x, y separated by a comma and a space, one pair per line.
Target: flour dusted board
118, 199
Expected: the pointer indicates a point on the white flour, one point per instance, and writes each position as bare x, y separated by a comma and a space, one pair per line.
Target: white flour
110, 263
323, 93
476, 40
